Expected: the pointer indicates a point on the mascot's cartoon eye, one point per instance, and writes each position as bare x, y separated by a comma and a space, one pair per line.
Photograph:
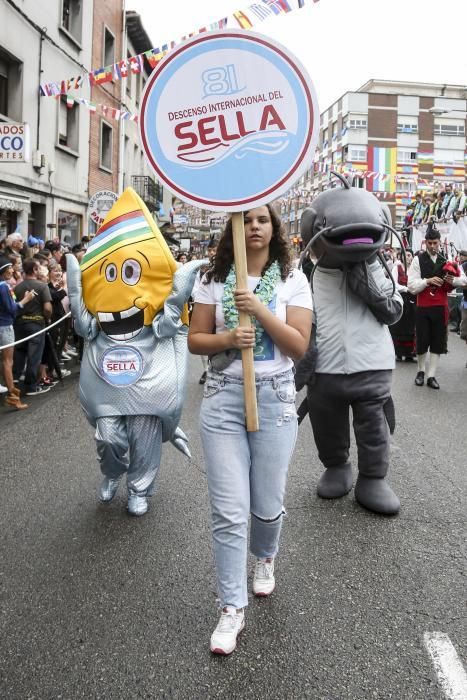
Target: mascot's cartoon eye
111, 273
131, 271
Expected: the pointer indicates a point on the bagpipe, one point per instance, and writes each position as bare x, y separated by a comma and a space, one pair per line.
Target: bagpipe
444, 268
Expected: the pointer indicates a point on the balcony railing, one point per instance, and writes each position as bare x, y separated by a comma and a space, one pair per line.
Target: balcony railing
148, 190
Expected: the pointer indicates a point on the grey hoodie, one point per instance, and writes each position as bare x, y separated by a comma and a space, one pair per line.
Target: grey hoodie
349, 338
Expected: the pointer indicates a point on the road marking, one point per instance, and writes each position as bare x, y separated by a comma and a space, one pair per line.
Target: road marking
449, 669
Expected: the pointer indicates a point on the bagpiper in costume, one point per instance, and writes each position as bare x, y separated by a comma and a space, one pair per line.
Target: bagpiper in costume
431, 277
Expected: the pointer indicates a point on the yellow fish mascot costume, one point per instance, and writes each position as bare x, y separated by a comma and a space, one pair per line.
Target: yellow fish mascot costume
128, 301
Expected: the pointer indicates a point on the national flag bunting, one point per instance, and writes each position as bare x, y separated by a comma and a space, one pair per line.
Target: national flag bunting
243, 20
101, 76
282, 5
383, 162
260, 10
120, 69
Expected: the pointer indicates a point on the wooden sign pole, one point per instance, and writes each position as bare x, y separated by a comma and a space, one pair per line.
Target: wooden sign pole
249, 385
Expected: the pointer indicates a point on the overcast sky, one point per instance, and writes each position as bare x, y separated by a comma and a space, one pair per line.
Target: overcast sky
342, 43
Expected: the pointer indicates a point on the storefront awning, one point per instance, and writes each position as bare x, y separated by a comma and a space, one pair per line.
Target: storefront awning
13, 202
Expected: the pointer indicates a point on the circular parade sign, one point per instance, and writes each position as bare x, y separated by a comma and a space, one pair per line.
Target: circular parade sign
100, 204
229, 120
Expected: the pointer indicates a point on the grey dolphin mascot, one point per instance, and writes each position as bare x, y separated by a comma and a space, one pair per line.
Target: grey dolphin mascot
128, 301
350, 360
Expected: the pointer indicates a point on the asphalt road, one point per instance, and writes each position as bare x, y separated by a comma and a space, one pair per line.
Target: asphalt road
96, 604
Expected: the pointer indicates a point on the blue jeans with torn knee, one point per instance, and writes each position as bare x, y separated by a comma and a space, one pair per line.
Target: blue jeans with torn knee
246, 472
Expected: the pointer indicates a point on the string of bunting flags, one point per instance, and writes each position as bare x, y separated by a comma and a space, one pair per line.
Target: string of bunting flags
371, 174
258, 11
105, 110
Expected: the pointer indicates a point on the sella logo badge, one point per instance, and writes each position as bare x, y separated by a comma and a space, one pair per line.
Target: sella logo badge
121, 366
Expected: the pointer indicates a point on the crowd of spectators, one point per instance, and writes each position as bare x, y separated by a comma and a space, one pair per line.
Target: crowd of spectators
33, 296
442, 205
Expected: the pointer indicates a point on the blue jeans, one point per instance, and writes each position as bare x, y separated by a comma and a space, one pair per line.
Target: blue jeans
246, 472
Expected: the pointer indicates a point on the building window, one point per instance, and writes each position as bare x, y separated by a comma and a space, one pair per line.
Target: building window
72, 17
106, 146
357, 154
3, 88
407, 125
449, 129
8, 221
406, 156
130, 77
358, 123
406, 187
10, 88
108, 56
336, 157
69, 227
358, 182
68, 124
449, 157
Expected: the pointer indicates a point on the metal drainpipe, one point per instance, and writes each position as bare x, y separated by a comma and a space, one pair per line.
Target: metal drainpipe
43, 32
121, 130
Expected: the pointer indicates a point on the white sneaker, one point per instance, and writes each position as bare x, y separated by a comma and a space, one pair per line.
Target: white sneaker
263, 578
3, 389
71, 352
224, 637
38, 390
65, 373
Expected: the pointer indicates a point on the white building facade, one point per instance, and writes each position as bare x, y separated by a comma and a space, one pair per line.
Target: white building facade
46, 196
394, 138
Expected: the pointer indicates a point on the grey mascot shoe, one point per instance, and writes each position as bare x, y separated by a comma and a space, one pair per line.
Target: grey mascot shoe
376, 495
137, 503
108, 489
335, 482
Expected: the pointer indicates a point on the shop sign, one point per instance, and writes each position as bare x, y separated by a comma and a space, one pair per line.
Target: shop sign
14, 142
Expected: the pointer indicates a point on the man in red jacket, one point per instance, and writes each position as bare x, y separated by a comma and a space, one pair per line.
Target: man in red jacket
431, 284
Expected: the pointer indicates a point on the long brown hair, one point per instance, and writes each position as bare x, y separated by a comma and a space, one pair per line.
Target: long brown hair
278, 250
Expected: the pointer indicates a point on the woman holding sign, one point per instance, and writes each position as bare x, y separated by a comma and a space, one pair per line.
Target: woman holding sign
247, 471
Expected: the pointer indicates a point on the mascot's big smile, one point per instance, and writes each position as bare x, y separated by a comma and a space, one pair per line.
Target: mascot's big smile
122, 325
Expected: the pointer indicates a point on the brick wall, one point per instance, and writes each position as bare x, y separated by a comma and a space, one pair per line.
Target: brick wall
382, 123
107, 13
425, 132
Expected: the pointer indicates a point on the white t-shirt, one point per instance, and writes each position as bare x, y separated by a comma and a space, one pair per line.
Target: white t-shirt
269, 360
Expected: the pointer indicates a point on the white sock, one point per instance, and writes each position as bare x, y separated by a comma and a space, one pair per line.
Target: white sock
421, 362
433, 364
